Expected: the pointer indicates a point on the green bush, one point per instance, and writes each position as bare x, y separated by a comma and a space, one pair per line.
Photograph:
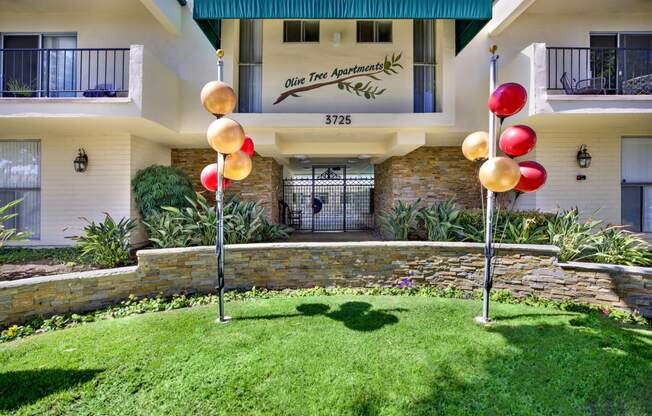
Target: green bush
161, 186
22, 255
400, 220
106, 243
577, 239
244, 222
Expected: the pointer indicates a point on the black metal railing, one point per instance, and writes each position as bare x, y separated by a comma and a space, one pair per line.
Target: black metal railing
599, 70
64, 72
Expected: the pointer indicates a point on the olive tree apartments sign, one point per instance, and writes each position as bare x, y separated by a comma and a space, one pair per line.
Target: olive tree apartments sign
362, 80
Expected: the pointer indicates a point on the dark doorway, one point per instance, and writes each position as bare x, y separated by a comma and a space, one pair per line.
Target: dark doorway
328, 200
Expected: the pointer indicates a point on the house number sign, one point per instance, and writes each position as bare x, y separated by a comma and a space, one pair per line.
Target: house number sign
337, 119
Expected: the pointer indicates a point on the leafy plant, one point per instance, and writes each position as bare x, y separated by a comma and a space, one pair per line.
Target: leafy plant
158, 186
165, 231
522, 230
441, 221
399, 220
244, 222
614, 245
18, 89
9, 234
21, 255
574, 237
107, 243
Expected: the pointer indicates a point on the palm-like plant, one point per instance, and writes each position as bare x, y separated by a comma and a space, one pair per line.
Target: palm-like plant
441, 221
400, 219
575, 238
614, 245
9, 234
107, 243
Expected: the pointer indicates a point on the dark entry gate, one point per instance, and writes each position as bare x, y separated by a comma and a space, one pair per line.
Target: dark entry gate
328, 200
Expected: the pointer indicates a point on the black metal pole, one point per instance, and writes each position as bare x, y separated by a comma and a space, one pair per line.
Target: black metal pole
219, 207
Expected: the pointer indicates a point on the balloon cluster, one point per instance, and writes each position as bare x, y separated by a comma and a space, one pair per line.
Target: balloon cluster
225, 136
502, 174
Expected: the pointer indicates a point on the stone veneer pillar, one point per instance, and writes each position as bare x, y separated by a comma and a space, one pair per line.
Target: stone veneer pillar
430, 173
264, 184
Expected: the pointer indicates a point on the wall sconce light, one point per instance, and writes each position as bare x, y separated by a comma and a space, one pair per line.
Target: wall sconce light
337, 38
583, 157
81, 161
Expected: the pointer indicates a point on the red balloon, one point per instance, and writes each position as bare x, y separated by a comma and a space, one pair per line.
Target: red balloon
507, 100
208, 178
517, 140
533, 176
248, 146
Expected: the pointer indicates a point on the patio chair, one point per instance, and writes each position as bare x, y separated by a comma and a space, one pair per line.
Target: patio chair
584, 86
101, 90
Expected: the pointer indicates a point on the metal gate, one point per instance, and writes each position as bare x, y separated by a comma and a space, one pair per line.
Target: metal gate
328, 200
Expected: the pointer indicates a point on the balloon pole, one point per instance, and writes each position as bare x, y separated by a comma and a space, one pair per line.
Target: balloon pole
491, 201
219, 205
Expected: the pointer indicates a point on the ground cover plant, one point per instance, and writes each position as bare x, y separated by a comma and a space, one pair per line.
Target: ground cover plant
578, 239
320, 353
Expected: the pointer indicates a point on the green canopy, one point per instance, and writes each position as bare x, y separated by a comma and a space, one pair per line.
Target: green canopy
470, 15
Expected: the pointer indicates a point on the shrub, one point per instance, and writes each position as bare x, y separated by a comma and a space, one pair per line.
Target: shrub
441, 221
9, 234
574, 237
615, 245
158, 186
244, 222
399, 220
106, 243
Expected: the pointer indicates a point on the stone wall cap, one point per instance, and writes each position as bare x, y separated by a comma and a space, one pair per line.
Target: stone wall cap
601, 267
528, 248
91, 274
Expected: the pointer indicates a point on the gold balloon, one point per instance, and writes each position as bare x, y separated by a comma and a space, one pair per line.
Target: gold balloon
237, 166
225, 135
499, 174
476, 146
218, 98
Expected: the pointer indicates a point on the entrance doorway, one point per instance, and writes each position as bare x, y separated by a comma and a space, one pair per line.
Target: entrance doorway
328, 199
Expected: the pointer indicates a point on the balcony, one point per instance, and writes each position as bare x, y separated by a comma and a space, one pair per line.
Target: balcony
599, 71
64, 73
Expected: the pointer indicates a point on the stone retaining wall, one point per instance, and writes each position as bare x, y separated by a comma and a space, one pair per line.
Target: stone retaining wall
522, 269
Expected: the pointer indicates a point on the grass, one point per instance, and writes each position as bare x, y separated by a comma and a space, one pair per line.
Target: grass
62, 255
351, 355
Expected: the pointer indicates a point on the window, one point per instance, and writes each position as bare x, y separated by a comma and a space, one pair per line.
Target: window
300, 31
250, 84
620, 59
20, 178
636, 191
424, 66
50, 71
373, 31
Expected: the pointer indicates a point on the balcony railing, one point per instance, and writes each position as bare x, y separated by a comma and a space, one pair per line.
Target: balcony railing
64, 72
599, 70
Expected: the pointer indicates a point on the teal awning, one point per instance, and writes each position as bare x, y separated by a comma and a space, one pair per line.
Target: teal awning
342, 9
207, 13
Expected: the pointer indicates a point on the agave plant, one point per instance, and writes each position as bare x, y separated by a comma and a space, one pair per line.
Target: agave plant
400, 219
441, 221
9, 234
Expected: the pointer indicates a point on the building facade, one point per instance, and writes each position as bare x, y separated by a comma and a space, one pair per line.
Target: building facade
351, 111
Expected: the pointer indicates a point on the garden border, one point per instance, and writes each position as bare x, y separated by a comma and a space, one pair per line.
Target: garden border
524, 270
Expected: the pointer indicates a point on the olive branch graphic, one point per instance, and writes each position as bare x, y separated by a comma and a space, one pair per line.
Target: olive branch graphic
367, 90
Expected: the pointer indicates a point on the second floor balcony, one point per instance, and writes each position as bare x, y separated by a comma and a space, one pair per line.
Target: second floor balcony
64, 73
599, 70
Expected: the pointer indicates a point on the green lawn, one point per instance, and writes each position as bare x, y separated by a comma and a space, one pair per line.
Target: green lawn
351, 355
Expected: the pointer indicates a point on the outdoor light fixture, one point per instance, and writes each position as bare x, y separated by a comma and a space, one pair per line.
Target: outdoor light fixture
337, 38
363, 157
81, 161
300, 157
583, 157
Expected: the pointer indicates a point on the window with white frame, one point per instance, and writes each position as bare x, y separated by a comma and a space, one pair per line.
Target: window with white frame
250, 83
20, 178
424, 66
636, 189
295, 31
373, 31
